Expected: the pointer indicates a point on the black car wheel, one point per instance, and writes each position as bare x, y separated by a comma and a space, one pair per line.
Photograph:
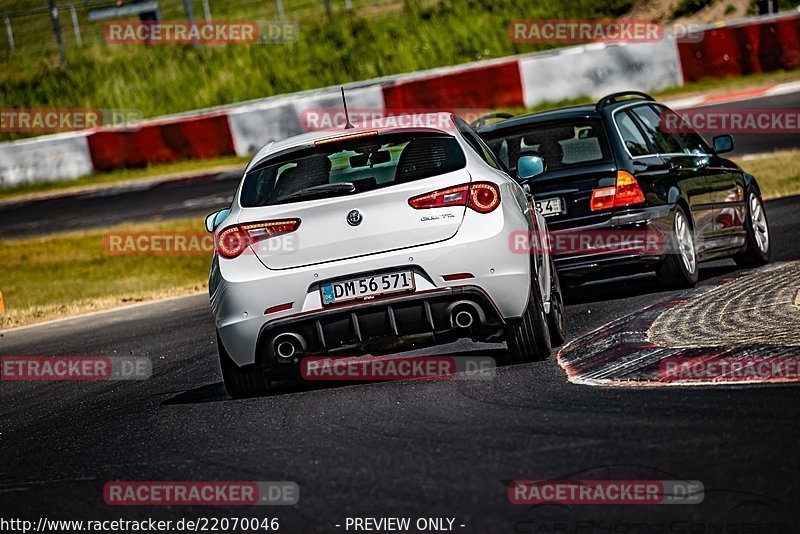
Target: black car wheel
241, 383
680, 269
555, 319
528, 338
759, 244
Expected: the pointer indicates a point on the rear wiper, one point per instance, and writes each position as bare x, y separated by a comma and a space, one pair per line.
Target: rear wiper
318, 191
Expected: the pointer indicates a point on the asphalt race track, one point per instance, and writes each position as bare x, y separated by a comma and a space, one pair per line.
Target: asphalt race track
197, 198
114, 205
756, 143
405, 449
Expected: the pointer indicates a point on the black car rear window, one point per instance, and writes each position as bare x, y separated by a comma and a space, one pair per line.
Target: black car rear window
562, 144
367, 163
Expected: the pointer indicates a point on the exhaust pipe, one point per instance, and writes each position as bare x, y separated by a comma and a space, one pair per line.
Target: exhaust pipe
285, 349
287, 346
464, 314
463, 319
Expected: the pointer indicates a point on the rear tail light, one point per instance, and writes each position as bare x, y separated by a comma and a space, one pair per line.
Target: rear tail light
233, 240
482, 197
625, 193
603, 198
628, 190
454, 196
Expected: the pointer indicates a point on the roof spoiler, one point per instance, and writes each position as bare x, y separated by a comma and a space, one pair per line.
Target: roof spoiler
616, 97
482, 120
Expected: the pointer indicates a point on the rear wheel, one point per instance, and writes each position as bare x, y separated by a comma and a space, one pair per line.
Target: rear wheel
241, 383
556, 322
528, 338
680, 267
759, 245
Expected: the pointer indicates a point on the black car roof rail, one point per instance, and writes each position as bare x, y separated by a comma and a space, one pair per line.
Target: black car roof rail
481, 121
613, 98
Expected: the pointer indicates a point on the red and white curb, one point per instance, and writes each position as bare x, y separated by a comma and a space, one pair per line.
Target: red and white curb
735, 96
621, 354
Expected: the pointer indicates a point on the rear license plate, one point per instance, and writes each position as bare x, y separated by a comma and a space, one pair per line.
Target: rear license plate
550, 206
367, 287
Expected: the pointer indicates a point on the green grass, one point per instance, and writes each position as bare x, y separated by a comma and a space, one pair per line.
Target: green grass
66, 274
778, 173
371, 40
122, 175
688, 7
733, 82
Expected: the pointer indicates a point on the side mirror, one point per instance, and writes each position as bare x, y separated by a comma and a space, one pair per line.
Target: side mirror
723, 143
529, 166
213, 220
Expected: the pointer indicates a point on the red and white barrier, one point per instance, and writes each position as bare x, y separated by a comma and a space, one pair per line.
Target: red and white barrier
161, 141
753, 45
53, 157
759, 44
488, 84
258, 123
598, 69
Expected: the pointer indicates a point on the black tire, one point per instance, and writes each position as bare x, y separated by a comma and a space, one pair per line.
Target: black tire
241, 383
755, 254
528, 338
556, 321
674, 271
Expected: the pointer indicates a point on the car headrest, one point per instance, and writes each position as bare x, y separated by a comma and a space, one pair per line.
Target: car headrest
549, 135
309, 172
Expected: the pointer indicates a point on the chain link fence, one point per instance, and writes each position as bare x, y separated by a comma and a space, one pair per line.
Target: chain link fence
42, 26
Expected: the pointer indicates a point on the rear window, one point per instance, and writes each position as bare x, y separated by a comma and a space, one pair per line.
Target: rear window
366, 163
561, 145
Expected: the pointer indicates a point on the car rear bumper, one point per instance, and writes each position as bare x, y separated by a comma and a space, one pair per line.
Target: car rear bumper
607, 262
381, 326
607, 267
243, 291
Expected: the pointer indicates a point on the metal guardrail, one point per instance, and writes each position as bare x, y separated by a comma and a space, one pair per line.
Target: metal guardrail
115, 12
